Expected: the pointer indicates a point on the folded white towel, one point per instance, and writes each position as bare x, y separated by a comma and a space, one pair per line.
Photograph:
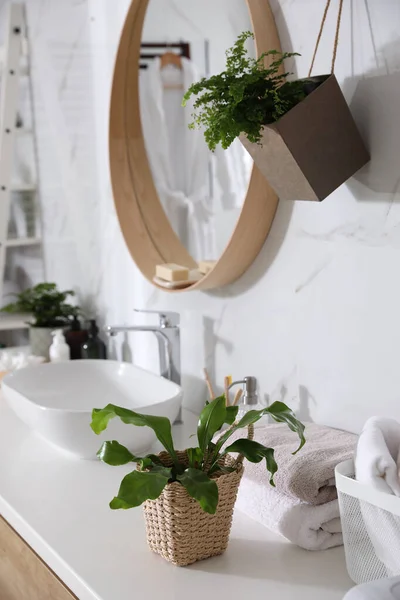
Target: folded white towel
310, 474
310, 527
377, 454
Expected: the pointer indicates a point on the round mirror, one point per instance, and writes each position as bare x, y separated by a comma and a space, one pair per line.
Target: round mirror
177, 201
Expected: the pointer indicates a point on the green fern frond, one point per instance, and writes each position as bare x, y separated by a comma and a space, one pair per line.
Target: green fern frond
244, 97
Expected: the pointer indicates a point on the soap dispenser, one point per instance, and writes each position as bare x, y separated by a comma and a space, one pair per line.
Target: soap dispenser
59, 349
249, 399
94, 347
75, 337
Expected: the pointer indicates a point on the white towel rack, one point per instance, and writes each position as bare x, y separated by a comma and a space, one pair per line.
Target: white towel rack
15, 64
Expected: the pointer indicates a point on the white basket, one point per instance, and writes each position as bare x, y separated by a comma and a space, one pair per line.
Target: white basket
371, 527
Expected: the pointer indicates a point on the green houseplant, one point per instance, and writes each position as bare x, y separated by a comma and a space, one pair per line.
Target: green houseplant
244, 97
49, 310
189, 495
300, 133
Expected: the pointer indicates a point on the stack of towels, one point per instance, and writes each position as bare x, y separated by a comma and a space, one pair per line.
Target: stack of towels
303, 507
11, 361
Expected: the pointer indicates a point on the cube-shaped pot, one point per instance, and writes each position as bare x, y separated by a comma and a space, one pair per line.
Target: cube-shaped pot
177, 527
313, 148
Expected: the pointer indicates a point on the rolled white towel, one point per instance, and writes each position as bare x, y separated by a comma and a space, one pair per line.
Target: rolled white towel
377, 454
398, 464
310, 527
376, 465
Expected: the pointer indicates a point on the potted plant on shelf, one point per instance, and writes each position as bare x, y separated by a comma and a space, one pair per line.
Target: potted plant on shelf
48, 309
300, 133
189, 495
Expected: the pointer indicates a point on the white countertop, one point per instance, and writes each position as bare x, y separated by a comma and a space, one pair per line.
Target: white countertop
60, 507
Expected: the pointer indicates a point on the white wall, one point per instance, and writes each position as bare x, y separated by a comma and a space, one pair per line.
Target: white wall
316, 318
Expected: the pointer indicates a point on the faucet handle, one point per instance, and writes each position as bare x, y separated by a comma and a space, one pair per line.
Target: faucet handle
167, 318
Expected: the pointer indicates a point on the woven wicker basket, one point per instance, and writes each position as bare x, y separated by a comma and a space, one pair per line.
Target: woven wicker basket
177, 527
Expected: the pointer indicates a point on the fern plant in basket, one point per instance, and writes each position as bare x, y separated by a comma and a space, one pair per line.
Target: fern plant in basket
189, 495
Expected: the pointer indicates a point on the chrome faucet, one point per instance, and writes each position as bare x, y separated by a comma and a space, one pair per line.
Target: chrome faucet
169, 343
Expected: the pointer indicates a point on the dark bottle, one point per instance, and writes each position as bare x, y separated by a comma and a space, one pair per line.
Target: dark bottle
94, 347
75, 336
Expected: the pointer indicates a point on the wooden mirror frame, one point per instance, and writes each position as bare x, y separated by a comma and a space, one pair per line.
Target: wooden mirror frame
144, 224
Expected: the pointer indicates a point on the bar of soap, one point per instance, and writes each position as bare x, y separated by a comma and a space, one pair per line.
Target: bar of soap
172, 272
206, 265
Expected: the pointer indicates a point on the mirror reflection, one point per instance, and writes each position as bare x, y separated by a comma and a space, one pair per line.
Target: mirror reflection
201, 192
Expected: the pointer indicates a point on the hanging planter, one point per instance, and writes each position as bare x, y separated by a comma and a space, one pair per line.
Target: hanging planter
313, 148
300, 134
189, 496
316, 146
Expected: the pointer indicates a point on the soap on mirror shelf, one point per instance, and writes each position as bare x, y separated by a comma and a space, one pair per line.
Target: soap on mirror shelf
194, 277
206, 265
172, 272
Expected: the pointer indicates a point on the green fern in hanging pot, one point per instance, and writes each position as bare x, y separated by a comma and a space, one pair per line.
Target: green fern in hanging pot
300, 133
244, 97
189, 496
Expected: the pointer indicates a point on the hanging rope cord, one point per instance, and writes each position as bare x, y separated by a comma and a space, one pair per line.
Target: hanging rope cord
335, 44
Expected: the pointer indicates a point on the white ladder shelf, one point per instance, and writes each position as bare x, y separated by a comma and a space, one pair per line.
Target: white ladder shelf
16, 46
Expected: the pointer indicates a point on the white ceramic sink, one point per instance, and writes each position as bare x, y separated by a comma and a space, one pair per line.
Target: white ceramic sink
56, 400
